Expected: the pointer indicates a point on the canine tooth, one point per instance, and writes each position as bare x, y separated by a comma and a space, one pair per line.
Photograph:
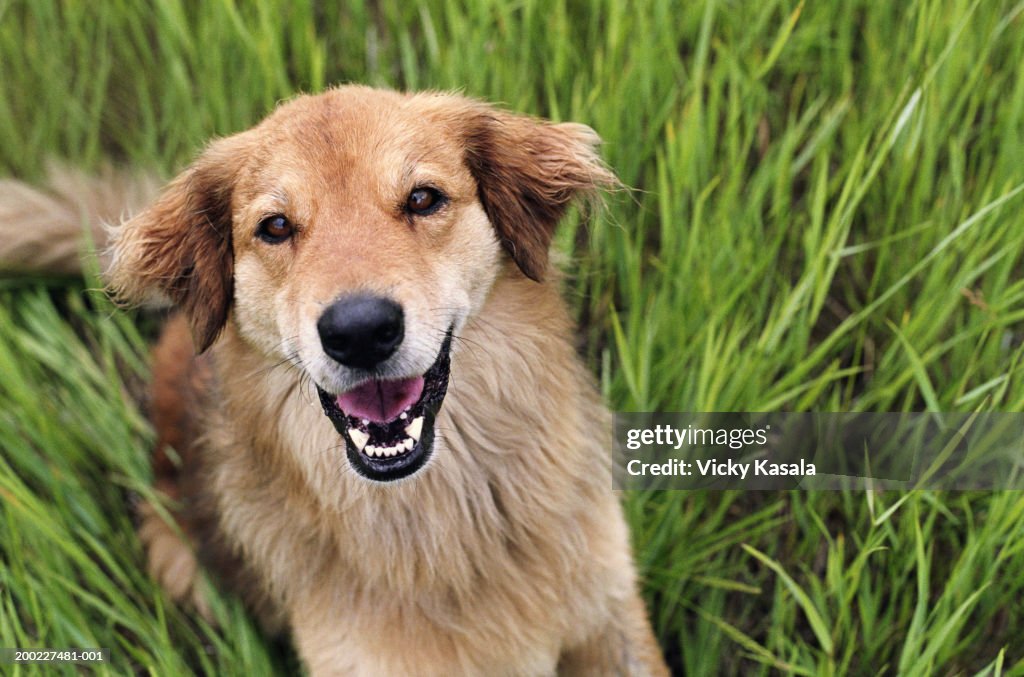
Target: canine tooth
358, 437
414, 429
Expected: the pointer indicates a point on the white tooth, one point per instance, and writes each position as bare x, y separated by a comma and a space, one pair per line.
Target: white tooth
408, 444
404, 415
414, 429
358, 437
370, 450
366, 421
391, 451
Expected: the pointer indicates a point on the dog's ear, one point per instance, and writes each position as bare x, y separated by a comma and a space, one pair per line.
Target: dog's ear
529, 171
179, 248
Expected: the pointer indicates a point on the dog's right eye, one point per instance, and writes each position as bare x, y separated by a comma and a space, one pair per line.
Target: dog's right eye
275, 229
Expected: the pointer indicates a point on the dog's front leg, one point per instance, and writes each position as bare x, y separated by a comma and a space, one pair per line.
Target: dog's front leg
624, 647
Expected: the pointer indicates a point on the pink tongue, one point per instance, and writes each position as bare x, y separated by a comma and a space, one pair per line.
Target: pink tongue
381, 401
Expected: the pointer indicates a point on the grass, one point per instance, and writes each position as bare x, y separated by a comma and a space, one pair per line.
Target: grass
826, 216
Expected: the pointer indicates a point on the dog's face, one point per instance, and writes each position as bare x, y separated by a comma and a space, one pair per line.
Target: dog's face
353, 234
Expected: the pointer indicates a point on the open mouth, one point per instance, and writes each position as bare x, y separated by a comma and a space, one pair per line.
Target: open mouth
388, 425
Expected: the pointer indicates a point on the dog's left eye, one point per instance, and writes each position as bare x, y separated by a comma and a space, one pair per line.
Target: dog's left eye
423, 201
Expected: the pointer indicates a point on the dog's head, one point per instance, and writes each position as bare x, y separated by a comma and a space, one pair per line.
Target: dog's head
353, 234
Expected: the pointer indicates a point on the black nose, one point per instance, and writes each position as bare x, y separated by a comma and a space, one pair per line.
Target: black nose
361, 331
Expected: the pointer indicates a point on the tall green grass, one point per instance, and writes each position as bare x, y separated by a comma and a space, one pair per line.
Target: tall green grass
825, 214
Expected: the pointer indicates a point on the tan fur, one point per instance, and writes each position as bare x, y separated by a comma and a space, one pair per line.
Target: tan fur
172, 561
508, 554
43, 229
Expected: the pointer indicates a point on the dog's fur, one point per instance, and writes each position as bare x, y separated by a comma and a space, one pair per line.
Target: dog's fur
508, 553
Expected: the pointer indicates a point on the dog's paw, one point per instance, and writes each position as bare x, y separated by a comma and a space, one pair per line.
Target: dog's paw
171, 561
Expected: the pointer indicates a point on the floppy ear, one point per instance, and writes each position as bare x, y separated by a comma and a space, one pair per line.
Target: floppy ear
179, 248
529, 171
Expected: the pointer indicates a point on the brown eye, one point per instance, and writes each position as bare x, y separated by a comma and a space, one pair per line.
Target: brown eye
423, 201
275, 229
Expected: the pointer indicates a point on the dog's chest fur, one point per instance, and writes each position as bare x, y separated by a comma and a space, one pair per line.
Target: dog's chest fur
474, 561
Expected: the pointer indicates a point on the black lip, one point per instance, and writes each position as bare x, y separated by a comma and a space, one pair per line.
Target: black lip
389, 469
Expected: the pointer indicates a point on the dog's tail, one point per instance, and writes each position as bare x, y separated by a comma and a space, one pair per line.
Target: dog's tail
50, 228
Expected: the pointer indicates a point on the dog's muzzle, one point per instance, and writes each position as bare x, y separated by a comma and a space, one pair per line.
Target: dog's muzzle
388, 425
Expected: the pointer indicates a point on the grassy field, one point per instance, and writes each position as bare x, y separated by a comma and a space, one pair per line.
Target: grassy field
826, 215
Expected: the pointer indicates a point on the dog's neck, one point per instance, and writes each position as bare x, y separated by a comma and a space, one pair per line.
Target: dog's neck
516, 455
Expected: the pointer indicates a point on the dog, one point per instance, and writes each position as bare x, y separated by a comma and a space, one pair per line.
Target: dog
383, 438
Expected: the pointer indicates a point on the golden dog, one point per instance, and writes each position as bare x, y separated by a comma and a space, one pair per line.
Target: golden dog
389, 446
